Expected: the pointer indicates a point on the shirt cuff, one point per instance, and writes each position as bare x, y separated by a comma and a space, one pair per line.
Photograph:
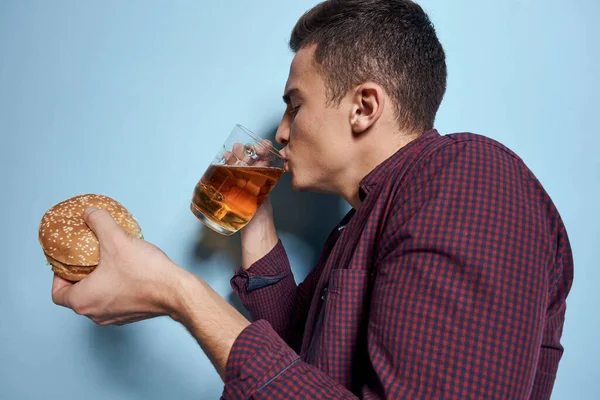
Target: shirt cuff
270, 269
258, 356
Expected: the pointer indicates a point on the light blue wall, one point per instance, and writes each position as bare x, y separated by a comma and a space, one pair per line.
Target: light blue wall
132, 98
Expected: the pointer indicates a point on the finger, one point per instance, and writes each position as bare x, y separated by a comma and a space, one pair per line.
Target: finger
101, 223
133, 319
229, 158
61, 291
265, 147
239, 152
265, 150
129, 319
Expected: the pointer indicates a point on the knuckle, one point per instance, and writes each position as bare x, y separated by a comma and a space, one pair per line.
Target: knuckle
116, 245
81, 309
78, 309
120, 244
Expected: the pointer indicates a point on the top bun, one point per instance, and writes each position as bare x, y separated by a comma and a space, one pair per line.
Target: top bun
66, 238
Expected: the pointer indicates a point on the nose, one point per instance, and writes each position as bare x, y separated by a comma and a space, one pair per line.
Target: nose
283, 131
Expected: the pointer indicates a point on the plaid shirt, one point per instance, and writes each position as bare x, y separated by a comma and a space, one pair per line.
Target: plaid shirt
448, 282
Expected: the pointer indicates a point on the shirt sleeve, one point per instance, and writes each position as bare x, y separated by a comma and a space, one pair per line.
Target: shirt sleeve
269, 292
560, 285
262, 366
459, 305
267, 289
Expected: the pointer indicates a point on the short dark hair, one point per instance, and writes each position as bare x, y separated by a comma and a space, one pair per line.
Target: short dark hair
390, 42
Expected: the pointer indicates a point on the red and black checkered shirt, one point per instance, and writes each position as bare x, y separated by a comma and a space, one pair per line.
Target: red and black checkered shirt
448, 282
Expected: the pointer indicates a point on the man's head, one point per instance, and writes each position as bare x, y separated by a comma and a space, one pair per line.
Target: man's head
360, 66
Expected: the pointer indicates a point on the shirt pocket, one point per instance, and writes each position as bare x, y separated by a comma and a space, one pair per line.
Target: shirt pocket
339, 337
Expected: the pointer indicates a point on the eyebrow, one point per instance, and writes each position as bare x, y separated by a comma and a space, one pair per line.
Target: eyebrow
287, 96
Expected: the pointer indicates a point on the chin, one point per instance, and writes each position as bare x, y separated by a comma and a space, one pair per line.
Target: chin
298, 186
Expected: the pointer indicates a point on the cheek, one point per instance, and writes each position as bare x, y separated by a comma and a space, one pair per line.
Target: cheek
310, 127
310, 138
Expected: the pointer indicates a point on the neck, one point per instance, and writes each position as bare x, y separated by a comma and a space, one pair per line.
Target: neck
370, 154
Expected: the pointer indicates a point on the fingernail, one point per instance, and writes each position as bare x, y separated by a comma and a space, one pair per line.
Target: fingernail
89, 210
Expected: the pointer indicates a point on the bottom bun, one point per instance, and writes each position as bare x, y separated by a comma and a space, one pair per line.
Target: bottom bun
71, 273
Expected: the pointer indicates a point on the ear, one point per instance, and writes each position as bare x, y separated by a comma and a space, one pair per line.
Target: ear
367, 106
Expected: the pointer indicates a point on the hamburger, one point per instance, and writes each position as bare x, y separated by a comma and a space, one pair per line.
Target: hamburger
69, 245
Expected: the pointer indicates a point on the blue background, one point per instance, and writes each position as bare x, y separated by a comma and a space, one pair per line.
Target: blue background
132, 99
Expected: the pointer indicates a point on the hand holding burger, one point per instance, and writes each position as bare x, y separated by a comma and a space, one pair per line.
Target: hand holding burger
69, 244
102, 267
123, 279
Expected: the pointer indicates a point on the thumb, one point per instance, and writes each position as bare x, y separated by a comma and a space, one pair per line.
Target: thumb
101, 223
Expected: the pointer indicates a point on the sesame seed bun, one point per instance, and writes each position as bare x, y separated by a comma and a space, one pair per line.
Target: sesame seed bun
69, 244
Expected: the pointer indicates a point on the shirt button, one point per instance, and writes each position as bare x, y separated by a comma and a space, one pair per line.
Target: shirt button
324, 293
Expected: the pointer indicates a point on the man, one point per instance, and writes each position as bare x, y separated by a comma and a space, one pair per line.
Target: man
447, 279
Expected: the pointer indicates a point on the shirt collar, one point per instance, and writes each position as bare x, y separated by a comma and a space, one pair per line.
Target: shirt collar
395, 161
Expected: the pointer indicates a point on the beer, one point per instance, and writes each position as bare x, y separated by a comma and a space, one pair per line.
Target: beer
231, 190
228, 196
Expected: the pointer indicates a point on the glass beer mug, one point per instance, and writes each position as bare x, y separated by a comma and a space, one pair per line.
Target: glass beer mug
237, 182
